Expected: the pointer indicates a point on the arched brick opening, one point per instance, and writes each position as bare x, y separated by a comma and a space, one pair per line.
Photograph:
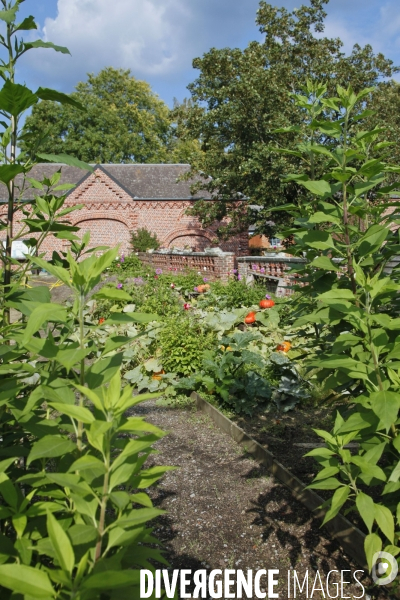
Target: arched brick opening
198, 239
106, 232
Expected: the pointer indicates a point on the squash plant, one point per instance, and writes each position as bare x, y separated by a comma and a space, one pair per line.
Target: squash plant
73, 512
347, 228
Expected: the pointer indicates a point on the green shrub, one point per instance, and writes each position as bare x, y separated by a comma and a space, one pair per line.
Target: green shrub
143, 240
233, 294
183, 342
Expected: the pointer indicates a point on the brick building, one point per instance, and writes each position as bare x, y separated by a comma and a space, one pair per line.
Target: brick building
119, 199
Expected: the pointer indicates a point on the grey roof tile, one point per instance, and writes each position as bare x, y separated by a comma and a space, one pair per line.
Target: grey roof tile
158, 181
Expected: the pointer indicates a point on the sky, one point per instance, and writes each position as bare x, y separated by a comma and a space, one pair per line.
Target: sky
158, 39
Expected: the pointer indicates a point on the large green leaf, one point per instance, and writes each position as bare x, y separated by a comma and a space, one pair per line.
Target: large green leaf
112, 293
41, 44
80, 413
365, 506
8, 172
65, 159
48, 94
386, 406
9, 15
22, 579
103, 370
320, 188
324, 262
42, 314
372, 545
134, 317
111, 580
320, 240
385, 521
338, 499
61, 544
16, 98
50, 446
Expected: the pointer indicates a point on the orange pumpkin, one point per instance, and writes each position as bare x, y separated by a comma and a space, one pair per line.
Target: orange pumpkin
284, 347
101, 320
250, 318
267, 303
158, 375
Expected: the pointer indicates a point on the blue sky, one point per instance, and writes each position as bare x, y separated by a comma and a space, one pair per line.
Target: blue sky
158, 39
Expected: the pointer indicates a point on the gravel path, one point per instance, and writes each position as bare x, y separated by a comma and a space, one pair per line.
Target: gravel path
224, 511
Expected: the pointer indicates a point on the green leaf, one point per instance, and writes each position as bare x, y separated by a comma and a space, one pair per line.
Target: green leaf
395, 475
133, 317
22, 579
386, 406
103, 370
111, 580
43, 314
50, 446
41, 44
320, 188
372, 545
80, 413
365, 506
16, 98
327, 484
323, 262
326, 472
61, 544
8, 172
26, 25
338, 499
385, 521
320, 240
112, 293
9, 15
48, 94
66, 160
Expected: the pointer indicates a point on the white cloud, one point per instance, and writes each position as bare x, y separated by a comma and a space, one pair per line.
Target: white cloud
136, 34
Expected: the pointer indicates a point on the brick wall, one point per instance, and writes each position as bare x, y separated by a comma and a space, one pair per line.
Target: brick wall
272, 270
214, 266
111, 214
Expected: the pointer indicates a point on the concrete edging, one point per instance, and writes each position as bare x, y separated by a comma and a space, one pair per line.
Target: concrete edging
350, 538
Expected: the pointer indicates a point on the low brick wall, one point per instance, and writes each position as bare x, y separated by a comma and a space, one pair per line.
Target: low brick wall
214, 266
271, 269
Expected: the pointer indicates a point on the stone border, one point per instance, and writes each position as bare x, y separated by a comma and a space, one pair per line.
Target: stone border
350, 538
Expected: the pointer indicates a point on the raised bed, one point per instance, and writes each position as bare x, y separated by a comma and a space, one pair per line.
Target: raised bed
350, 538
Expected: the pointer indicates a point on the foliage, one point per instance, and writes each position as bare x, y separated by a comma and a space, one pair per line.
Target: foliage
349, 233
72, 511
128, 265
234, 294
183, 342
143, 240
229, 374
241, 96
124, 122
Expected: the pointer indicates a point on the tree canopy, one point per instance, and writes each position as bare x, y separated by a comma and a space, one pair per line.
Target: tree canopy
124, 122
241, 97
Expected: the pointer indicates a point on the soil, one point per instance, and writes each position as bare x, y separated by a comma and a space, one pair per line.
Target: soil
290, 436
224, 511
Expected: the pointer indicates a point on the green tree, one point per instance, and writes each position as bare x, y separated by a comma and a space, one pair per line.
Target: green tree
242, 96
124, 122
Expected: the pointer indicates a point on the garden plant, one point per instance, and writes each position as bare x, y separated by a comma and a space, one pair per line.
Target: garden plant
347, 226
73, 513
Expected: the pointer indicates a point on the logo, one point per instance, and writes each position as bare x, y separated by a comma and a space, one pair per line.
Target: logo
384, 568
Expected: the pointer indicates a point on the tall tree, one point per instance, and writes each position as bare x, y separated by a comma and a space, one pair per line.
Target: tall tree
124, 122
242, 96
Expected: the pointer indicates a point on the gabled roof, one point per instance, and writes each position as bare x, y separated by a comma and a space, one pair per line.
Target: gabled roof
141, 181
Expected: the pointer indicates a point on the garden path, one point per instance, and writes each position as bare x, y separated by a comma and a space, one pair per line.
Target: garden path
224, 511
